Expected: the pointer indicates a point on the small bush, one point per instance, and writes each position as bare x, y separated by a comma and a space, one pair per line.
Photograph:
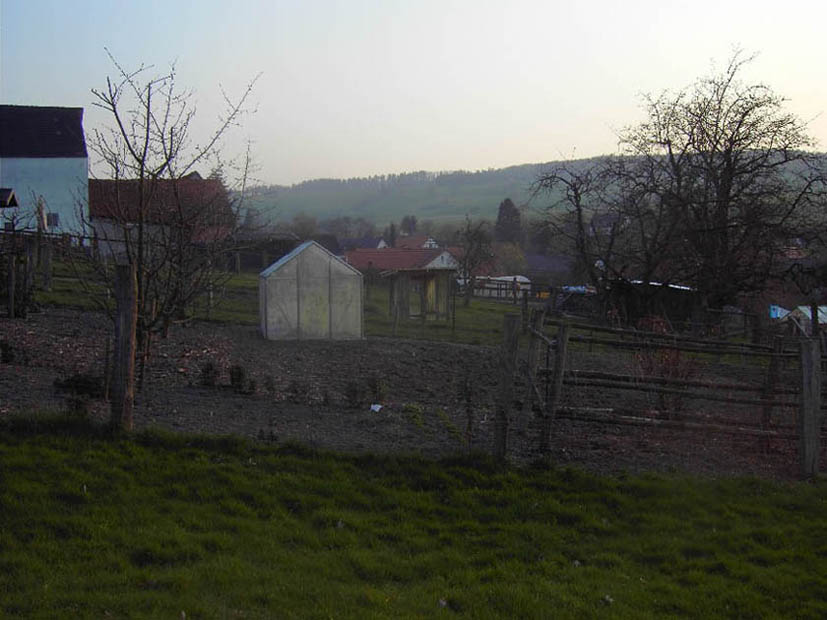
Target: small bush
270, 385
209, 374
238, 378
7, 352
77, 406
449, 425
414, 413
377, 388
354, 394
299, 391
81, 384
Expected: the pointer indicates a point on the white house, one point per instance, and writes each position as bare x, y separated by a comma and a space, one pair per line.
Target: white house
43, 159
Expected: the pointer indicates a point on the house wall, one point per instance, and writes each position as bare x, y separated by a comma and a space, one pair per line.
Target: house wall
110, 236
62, 181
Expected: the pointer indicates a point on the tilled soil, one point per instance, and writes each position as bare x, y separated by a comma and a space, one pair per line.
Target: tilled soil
309, 392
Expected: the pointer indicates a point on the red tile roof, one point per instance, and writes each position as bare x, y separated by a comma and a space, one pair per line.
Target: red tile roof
190, 200
391, 259
413, 242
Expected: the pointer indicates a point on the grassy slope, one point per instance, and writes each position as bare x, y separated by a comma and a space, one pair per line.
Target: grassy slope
150, 527
476, 194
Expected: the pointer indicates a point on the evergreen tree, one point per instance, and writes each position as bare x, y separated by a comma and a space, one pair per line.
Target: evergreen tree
508, 227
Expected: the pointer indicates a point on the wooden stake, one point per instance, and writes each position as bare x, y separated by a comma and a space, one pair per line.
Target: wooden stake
809, 416
505, 394
11, 282
556, 384
533, 358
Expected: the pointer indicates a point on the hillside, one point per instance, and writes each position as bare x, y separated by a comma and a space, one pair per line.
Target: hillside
382, 199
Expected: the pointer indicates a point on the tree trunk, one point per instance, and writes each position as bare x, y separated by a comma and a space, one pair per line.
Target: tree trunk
123, 372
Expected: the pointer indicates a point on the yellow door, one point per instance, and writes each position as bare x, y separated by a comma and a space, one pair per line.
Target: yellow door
430, 294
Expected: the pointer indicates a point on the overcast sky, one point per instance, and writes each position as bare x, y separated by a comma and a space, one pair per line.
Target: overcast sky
356, 88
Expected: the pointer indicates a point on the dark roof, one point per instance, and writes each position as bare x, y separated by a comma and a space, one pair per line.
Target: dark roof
370, 243
202, 203
329, 242
556, 263
31, 131
7, 197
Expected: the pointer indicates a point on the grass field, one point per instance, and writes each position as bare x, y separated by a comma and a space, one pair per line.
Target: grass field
154, 525
236, 301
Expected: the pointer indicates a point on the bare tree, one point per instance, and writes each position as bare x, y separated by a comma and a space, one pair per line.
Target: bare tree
475, 250
729, 167
706, 192
153, 210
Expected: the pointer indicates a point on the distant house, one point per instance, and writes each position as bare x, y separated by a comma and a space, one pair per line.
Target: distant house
198, 208
546, 270
310, 294
43, 159
606, 223
363, 243
417, 242
420, 279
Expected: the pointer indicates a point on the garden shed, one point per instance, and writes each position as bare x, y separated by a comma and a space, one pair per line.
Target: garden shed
310, 294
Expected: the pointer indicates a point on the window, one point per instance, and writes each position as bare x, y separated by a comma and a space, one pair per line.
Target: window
53, 220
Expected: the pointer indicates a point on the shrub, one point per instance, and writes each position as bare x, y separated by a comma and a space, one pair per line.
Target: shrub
209, 374
414, 413
299, 391
81, 384
354, 394
238, 378
449, 425
6, 352
377, 388
80, 390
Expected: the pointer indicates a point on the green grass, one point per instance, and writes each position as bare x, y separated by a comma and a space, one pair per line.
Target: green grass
218, 528
236, 301
479, 323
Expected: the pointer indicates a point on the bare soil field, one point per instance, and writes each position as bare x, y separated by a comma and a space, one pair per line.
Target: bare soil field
308, 391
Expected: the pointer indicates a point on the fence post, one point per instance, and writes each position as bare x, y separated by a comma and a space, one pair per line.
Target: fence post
31, 265
769, 387
524, 312
12, 282
537, 317
46, 264
422, 305
123, 371
809, 416
556, 384
505, 393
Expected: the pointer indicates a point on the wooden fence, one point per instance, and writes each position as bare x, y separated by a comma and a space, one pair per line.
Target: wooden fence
776, 395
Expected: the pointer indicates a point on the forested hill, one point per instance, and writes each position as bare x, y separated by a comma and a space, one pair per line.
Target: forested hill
382, 199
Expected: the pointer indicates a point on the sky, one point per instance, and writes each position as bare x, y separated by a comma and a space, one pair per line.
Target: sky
358, 88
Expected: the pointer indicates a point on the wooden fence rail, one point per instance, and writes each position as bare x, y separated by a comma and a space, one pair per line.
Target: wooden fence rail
641, 334
805, 399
